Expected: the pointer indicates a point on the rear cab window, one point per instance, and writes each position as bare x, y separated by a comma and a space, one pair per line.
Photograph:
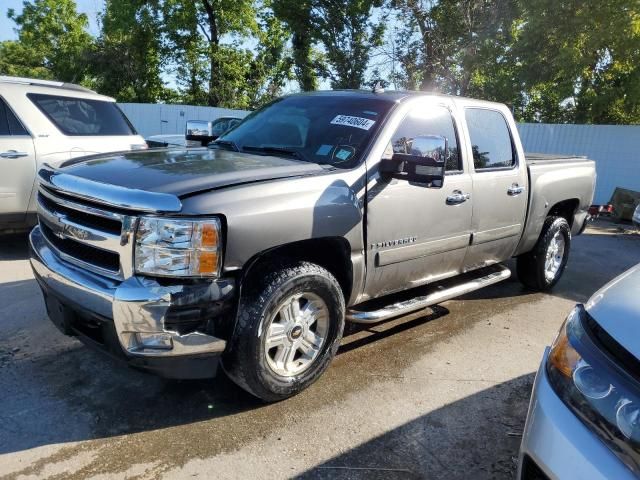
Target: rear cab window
491, 140
82, 116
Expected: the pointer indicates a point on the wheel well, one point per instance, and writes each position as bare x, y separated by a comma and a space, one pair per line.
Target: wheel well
566, 209
332, 253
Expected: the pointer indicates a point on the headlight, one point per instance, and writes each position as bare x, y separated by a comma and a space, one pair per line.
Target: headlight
604, 396
178, 247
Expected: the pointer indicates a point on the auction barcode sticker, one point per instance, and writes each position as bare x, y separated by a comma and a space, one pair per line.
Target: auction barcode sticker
357, 122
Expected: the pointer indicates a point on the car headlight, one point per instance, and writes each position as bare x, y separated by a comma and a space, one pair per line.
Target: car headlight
598, 391
178, 247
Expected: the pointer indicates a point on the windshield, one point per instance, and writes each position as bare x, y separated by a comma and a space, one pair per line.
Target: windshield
332, 130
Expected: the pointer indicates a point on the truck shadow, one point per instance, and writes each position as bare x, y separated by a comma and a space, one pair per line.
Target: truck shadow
55, 390
482, 432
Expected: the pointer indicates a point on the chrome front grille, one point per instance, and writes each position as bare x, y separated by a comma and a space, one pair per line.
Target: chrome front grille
92, 224
91, 237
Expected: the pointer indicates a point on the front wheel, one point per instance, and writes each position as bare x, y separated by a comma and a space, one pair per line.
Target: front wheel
288, 330
542, 268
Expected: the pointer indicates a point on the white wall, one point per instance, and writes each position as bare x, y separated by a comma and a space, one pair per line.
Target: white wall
156, 119
616, 149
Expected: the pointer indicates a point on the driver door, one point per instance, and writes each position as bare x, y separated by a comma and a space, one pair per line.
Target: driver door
415, 234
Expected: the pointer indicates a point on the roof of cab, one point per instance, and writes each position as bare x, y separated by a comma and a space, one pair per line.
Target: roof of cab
394, 96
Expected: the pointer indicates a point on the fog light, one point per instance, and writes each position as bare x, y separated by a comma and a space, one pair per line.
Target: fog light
155, 341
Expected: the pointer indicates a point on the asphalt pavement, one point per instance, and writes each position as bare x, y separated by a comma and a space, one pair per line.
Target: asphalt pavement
439, 394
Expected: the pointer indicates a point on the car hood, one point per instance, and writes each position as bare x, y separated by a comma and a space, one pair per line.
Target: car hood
185, 171
616, 308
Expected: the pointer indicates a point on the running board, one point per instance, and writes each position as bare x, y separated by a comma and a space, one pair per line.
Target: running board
497, 273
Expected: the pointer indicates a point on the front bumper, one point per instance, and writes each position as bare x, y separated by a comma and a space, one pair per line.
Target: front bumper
560, 444
111, 314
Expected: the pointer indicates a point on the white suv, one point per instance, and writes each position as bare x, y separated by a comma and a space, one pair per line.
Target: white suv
50, 122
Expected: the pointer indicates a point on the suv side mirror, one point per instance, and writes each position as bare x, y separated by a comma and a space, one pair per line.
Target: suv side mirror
200, 131
425, 164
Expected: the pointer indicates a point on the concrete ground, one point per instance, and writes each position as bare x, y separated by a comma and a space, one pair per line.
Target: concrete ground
439, 394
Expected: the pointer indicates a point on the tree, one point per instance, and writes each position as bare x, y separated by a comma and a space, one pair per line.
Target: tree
52, 42
348, 34
580, 60
296, 15
455, 46
128, 60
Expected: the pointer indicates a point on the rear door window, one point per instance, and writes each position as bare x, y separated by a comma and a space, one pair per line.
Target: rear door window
9, 124
83, 117
490, 139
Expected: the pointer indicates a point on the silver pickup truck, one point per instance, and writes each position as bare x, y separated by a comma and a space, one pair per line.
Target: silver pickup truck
315, 210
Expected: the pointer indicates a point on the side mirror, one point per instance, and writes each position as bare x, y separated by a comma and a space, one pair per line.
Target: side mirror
424, 164
200, 131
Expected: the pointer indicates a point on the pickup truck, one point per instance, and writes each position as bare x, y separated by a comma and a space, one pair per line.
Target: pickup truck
316, 210
198, 133
43, 121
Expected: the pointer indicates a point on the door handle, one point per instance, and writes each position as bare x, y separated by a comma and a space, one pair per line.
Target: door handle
514, 190
13, 154
457, 197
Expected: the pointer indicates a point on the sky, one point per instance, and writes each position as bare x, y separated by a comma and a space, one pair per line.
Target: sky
90, 7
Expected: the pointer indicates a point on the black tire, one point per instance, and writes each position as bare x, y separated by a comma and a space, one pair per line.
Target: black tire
531, 265
246, 362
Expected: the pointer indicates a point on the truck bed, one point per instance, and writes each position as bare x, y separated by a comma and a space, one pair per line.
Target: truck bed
553, 179
537, 158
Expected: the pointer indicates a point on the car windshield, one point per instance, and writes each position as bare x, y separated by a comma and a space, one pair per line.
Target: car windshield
332, 130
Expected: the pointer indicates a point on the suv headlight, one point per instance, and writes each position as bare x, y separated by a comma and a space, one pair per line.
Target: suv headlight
595, 387
177, 247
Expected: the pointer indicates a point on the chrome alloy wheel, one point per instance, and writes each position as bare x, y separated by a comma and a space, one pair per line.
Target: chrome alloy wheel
554, 257
296, 334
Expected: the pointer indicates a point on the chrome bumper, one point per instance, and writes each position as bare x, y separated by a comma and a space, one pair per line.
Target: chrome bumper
136, 305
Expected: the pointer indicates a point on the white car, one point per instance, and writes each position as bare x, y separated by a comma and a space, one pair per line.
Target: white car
636, 217
50, 122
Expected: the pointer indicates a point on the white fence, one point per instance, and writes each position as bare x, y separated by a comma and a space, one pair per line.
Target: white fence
156, 119
616, 149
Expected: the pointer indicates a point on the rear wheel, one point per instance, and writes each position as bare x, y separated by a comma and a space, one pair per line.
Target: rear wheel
542, 268
288, 330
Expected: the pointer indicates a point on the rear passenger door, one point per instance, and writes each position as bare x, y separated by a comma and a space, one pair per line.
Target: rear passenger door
17, 166
499, 188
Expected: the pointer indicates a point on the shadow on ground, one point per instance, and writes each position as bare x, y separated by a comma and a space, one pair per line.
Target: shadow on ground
14, 246
415, 449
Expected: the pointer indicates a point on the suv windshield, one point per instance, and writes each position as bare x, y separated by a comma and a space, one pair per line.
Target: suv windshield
81, 116
333, 130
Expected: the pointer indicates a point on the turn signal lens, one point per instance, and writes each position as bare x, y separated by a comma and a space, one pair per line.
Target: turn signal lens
562, 356
209, 236
208, 263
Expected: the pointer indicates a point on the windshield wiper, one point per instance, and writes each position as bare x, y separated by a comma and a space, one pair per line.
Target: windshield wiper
224, 145
277, 151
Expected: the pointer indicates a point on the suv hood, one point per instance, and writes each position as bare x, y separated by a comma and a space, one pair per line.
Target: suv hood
616, 308
184, 171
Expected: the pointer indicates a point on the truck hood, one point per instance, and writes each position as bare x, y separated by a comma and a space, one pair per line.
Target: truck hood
185, 171
616, 308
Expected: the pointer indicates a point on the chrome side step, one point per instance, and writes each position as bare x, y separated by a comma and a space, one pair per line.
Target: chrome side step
496, 274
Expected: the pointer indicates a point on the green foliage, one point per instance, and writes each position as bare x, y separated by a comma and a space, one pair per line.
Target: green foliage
552, 60
580, 60
52, 42
128, 58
